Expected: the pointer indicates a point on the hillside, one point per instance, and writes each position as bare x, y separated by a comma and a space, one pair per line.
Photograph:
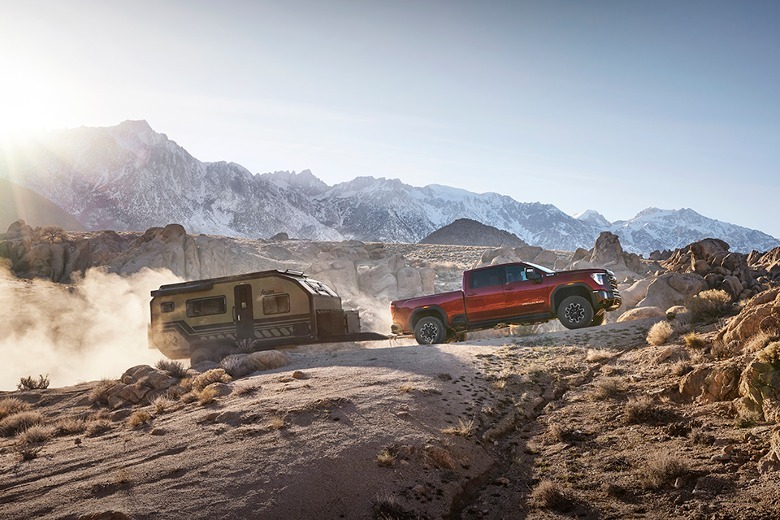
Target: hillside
467, 232
18, 202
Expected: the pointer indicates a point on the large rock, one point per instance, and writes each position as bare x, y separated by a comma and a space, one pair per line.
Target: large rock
760, 314
607, 252
635, 293
759, 384
641, 313
671, 289
138, 384
711, 383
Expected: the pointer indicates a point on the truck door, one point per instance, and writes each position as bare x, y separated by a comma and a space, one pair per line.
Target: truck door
244, 312
484, 294
525, 291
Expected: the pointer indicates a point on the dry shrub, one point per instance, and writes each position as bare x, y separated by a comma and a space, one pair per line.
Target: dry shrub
69, 426
662, 469
463, 428
215, 375
37, 434
161, 404
770, 354
660, 333
174, 368
440, 456
245, 389
28, 451
99, 393
722, 350
138, 418
681, 368
207, 395
407, 388
11, 405
709, 305
28, 383
642, 410
549, 495
388, 507
597, 356
98, 427
246, 345
385, 458
695, 341
18, 422
607, 387
758, 342
189, 397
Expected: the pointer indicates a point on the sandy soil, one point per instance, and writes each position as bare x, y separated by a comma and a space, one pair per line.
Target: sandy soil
475, 429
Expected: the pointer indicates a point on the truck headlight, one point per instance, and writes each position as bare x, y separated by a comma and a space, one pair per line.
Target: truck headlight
598, 278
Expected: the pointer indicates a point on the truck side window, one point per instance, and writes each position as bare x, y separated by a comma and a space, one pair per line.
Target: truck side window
276, 303
206, 306
515, 273
487, 277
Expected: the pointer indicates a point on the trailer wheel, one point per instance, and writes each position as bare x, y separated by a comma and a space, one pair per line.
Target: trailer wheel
429, 330
575, 312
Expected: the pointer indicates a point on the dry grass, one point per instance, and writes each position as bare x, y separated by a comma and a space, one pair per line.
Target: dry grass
245, 389
462, 429
708, 306
277, 422
695, 341
642, 410
11, 405
161, 404
549, 495
99, 394
407, 388
37, 434
138, 418
662, 469
69, 426
28, 383
18, 422
607, 387
385, 458
98, 427
660, 333
758, 342
770, 354
173, 368
215, 375
681, 368
28, 451
598, 355
207, 396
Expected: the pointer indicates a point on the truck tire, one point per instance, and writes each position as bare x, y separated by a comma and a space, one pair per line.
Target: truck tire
598, 318
429, 330
575, 312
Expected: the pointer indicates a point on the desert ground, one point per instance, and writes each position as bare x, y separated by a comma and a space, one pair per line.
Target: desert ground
578, 424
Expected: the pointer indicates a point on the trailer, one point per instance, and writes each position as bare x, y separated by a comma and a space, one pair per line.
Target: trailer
209, 319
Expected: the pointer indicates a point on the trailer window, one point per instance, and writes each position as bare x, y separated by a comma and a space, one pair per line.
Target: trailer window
276, 303
167, 306
206, 306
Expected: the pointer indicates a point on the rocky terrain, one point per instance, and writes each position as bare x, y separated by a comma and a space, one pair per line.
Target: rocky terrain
670, 410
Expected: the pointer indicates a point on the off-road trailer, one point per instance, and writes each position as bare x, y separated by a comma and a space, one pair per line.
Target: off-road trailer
209, 319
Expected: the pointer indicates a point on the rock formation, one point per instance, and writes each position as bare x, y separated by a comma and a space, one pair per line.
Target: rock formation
468, 232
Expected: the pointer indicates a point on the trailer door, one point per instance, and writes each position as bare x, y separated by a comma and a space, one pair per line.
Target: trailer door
244, 312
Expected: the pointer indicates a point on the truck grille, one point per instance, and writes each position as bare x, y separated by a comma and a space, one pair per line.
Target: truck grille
613, 283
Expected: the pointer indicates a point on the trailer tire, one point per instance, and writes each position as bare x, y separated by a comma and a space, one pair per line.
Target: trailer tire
575, 312
429, 330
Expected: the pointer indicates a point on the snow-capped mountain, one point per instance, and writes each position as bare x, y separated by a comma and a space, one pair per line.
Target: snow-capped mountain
129, 177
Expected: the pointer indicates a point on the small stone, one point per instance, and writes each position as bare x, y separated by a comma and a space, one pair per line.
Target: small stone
502, 481
158, 432
299, 375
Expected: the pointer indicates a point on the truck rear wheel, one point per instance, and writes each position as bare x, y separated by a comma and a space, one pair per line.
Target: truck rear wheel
429, 330
575, 312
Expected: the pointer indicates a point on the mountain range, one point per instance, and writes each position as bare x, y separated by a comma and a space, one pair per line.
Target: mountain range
129, 177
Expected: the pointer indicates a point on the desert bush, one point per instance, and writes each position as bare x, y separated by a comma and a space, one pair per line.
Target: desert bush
607, 387
69, 426
462, 429
709, 305
662, 469
37, 434
138, 418
642, 410
207, 395
18, 422
695, 341
189, 397
681, 368
407, 388
161, 404
11, 405
385, 458
215, 375
722, 350
596, 356
660, 333
549, 495
277, 422
245, 389
28, 383
770, 354
28, 451
174, 368
99, 393
758, 342
98, 427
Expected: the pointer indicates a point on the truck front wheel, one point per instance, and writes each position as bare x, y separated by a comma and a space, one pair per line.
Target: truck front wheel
429, 330
575, 312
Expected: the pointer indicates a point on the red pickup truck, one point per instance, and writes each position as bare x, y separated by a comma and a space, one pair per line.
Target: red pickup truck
509, 293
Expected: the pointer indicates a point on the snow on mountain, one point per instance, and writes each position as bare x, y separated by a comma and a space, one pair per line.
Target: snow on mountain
129, 177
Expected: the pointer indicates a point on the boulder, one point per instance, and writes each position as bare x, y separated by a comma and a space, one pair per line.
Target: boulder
673, 289
607, 252
635, 293
378, 281
712, 383
760, 314
759, 384
528, 253
641, 313
409, 282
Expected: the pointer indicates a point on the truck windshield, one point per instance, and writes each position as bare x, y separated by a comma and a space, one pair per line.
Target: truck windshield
540, 268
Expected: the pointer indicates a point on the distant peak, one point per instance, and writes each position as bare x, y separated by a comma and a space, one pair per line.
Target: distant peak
140, 125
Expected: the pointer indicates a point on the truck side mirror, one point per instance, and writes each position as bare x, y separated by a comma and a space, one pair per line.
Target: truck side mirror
532, 274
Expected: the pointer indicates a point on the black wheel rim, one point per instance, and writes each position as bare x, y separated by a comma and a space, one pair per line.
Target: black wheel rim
574, 313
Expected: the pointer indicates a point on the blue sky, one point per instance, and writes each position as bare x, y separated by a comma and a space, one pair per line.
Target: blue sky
614, 106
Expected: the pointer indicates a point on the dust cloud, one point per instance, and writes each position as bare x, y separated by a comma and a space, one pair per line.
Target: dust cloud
92, 329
